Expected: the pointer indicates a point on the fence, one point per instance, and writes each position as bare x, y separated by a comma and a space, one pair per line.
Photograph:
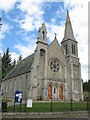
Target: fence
51, 106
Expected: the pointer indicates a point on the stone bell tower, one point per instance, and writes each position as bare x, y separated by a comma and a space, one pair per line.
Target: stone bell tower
40, 63
69, 42
42, 34
70, 46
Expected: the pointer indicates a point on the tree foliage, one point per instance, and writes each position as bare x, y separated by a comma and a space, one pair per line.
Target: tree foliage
14, 63
0, 70
86, 86
19, 58
7, 63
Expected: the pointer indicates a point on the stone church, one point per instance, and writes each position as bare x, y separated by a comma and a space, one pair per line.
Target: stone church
53, 71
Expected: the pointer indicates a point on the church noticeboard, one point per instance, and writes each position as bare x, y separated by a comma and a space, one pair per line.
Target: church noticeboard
18, 96
29, 103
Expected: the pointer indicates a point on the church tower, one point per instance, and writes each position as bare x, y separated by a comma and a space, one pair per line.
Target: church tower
70, 46
40, 63
69, 42
41, 49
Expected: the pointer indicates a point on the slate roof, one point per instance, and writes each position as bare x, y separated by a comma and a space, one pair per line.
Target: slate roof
22, 67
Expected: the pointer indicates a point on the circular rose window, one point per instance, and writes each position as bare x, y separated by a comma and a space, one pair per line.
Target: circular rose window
54, 64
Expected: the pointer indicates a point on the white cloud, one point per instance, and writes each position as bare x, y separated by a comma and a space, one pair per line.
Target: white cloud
1, 52
7, 5
30, 7
14, 56
25, 50
60, 13
75, 3
58, 29
27, 24
4, 29
33, 15
84, 72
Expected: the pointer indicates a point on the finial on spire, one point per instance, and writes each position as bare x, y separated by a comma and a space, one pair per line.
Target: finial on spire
67, 12
55, 35
68, 18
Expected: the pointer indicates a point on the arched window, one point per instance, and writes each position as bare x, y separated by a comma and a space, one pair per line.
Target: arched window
73, 49
42, 52
54, 90
66, 49
43, 34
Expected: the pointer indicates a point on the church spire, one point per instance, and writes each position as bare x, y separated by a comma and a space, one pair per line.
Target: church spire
68, 18
68, 29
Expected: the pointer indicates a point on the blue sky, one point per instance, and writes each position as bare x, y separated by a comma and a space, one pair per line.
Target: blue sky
21, 20
19, 34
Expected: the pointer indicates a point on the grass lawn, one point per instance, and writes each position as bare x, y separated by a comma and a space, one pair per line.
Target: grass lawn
46, 107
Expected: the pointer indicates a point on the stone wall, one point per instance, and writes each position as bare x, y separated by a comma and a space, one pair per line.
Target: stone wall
49, 116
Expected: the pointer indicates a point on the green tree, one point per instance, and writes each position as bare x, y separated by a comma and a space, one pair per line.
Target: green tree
0, 70
19, 58
14, 63
6, 63
86, 86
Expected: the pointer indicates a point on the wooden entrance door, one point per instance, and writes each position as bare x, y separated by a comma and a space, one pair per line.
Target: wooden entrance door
61, 92
49, 91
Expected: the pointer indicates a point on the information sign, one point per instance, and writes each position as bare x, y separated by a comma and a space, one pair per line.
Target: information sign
18, 96
29, 103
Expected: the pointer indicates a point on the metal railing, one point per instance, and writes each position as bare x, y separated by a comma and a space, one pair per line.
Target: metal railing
52, 106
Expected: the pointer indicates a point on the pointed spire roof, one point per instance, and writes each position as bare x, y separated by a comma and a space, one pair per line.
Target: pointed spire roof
68, 18
43, 27
68, 29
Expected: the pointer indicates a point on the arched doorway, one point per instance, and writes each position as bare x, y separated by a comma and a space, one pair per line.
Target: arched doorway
61, 92
50, 91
